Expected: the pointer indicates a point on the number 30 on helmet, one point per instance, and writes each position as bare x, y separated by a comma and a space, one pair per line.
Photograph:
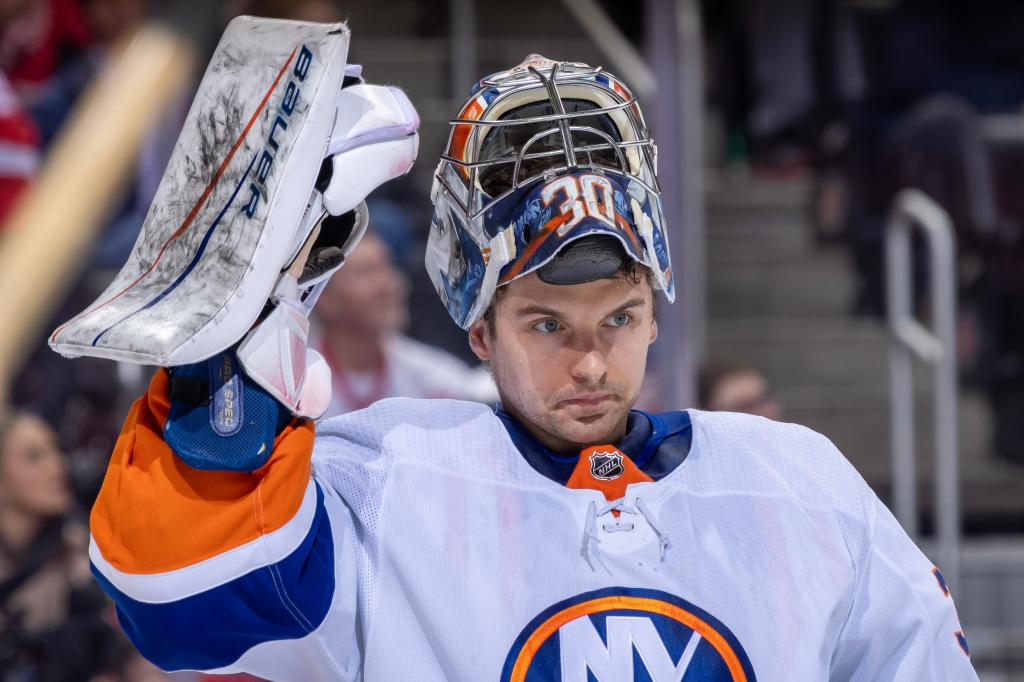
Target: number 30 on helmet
542, 155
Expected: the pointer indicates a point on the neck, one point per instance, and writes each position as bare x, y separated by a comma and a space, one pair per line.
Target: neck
18, 528
354, 349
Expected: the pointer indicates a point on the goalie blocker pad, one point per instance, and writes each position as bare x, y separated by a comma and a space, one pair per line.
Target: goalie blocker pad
238, 197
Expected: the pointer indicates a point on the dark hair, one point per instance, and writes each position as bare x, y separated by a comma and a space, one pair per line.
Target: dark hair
632, 271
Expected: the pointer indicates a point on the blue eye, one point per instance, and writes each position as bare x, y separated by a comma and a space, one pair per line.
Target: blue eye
547, 326
619, 319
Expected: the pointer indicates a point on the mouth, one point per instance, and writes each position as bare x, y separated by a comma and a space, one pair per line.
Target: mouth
587, 400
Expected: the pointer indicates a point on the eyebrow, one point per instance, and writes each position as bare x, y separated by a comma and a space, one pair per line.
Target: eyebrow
534, 309
631, 303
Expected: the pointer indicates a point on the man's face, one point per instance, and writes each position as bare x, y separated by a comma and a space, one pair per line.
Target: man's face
569, 360
368, 294
745, 391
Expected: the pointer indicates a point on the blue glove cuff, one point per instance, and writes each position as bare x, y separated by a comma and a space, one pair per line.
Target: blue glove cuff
220, 419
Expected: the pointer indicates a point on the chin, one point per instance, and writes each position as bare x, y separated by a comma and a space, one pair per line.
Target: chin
52, 505
590, 431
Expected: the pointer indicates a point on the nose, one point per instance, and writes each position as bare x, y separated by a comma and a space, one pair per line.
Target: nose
589, 368
400, 282
56, 464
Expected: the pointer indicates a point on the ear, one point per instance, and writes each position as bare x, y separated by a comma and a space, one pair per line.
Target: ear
654, 331
480, 340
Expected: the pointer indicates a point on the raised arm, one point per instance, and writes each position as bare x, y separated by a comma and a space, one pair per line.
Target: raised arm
227, 570
210, 531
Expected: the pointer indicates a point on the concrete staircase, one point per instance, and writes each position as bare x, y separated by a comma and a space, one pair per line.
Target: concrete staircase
779, 302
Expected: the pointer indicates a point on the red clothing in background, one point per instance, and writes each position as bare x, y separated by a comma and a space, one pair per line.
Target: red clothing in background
36, 43
19, 149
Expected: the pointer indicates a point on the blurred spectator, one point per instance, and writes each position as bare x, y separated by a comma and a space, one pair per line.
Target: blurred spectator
51, 610
19, 149
36, 38
784, 72
108, 21
969, 52
735, 388
111, 22
940, 73
393, 224
360, 317
85, 398
325, 11
135, 668
806, 67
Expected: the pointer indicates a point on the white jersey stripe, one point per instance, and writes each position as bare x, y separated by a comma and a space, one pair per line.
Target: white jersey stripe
158, 588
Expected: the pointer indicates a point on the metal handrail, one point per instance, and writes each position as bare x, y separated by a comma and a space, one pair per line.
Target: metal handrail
910, 338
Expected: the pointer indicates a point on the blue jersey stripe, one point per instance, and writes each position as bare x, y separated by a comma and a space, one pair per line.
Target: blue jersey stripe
212, 629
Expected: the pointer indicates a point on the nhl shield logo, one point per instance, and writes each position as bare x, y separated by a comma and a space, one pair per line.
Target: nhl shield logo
606, 466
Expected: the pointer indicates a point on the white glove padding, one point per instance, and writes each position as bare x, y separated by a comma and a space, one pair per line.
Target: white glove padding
374, 140
275, 356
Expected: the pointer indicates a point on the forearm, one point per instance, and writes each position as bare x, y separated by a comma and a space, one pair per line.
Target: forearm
193, 557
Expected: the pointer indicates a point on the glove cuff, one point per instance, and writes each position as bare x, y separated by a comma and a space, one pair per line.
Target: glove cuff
220, 419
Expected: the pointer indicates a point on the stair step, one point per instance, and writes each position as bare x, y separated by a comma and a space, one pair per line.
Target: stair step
862, 434
787, 358
728, 189
808, 287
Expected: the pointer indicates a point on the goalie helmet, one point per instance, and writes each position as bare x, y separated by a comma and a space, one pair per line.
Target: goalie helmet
541, 156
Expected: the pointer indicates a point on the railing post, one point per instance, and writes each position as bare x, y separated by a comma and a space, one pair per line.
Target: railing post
908, 339
901, 376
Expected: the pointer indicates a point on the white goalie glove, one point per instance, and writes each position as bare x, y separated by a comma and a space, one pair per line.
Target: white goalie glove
371, 143
282, 137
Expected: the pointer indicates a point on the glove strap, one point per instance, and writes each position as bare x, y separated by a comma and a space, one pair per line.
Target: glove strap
275, 356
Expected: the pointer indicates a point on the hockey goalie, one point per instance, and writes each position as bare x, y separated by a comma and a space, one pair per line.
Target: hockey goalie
557, 535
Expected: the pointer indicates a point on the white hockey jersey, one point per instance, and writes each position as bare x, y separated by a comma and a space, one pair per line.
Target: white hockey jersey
424, 547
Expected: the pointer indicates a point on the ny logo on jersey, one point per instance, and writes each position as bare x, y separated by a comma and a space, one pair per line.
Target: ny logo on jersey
623, 634
583, 649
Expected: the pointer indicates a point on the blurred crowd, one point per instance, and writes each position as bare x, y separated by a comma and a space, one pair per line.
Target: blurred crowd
864, 98
868, 97
55, 623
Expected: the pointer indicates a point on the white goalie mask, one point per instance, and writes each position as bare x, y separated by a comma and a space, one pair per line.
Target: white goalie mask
540, 156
